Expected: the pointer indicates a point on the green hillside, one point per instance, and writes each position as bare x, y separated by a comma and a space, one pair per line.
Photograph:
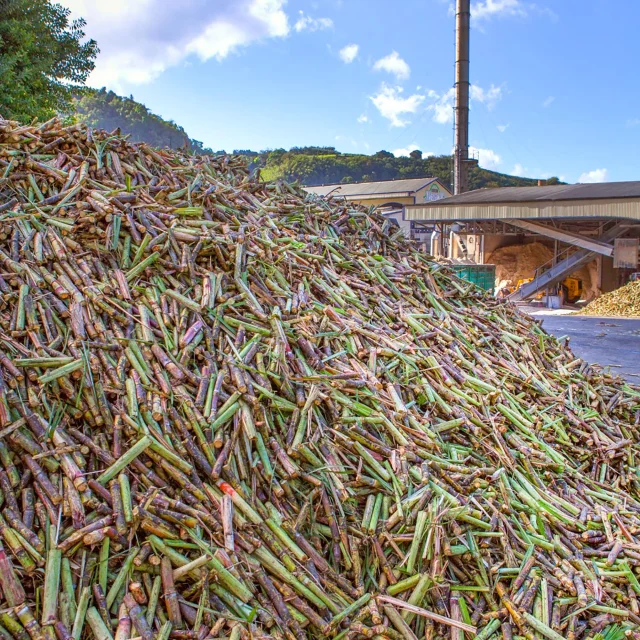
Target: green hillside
308, 165
313, 166
102, 109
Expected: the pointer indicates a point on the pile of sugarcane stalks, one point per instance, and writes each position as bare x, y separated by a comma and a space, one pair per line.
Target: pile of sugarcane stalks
232, 410
623, 302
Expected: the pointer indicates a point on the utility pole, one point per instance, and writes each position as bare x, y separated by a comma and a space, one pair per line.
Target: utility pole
462, 86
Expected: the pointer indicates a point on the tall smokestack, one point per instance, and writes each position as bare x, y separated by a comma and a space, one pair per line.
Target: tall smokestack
461, 159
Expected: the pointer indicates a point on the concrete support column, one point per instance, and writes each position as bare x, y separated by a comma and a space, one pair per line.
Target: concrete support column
599, 268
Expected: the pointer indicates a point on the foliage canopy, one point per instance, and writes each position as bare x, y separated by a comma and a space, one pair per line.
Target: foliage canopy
102, 109
43, 59
323, 167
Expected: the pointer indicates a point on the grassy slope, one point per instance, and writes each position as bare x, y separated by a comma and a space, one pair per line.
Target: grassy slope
328, 168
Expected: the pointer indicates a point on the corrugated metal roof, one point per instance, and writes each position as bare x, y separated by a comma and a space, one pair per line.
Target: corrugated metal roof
606, 190
530, 210
383, 187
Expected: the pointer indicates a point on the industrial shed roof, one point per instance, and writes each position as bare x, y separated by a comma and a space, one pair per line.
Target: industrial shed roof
606, 190
605, 200
383, 187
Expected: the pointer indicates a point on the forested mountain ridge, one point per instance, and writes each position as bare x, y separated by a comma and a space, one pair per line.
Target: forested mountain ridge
310, 166
102, 109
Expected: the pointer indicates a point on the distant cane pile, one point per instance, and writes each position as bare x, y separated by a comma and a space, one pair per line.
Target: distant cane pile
623, 302
232, 410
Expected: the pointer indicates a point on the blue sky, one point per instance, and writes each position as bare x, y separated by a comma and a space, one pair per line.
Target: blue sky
555, 89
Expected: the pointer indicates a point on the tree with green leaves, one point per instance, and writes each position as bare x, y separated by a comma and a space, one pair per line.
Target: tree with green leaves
44, 59
347, 168
102, 109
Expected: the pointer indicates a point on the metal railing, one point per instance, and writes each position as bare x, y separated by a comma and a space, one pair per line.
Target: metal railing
563, 255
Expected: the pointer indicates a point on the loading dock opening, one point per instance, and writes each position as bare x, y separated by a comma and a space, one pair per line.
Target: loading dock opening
580, 223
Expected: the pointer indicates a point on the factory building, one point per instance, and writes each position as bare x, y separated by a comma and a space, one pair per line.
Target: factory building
595, 225
391, 198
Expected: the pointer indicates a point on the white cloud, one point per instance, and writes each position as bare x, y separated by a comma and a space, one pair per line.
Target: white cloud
489, 97
391, 104
487, 158
597, 175
394, 64
405, 153
398, 153
486, 9
364, 118
312, 24
349, 53
140, 40
442, 108
633, 122
548, 102
524, 172
502, 127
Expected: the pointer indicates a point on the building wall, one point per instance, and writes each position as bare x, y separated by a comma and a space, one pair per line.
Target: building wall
473, 244
405, 225
430, 193
378, 202
610, 278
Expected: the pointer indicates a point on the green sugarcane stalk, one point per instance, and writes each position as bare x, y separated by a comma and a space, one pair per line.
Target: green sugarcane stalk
417, 596
65, 370
121, 577
125, 492
81, 612
404, 585
540, 627
67, 586
51, 586
126, 459
417, 539
135, 271
353, 607
43, 363
153, 599
98, 627
103, 564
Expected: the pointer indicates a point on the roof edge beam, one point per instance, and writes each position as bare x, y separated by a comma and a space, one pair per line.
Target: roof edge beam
575, 239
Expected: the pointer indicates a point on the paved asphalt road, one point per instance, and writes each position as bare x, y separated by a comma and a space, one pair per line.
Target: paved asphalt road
613, 342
